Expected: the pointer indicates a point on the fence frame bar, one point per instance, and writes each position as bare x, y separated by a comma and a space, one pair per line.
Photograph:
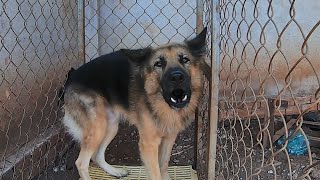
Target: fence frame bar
214, 90
198, 121
200, 9
81, 30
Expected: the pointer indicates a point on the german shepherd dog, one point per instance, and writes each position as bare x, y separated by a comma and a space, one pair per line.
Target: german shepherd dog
155, 89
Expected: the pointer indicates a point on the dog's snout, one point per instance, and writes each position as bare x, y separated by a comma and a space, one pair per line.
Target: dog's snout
177, 77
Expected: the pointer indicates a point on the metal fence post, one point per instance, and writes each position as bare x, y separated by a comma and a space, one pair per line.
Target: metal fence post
81, 30
198, 121
214, 90
200, 9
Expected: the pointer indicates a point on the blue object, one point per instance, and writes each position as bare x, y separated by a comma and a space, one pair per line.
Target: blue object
297, 143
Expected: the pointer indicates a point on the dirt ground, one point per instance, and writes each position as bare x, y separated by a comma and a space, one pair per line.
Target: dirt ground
258, 162
123, 150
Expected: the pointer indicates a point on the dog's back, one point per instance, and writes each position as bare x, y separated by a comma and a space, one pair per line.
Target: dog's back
108, 75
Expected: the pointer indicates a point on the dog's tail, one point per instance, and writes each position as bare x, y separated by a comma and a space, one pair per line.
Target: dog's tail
62, 89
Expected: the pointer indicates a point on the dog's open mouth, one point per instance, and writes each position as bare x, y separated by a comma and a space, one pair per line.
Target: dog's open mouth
179, 98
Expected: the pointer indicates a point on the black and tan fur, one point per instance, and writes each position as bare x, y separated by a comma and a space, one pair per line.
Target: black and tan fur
155, 89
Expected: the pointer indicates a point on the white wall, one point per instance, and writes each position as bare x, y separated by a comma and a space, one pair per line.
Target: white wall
242, 58
115, 24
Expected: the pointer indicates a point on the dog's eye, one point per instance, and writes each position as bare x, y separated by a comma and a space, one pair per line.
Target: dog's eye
185, 60
158, 64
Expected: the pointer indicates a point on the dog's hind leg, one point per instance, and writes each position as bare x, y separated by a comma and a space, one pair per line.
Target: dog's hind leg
99, 156
94, 129
82, 163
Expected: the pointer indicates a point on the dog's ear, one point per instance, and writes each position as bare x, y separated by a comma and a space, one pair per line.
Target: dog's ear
206, 69
137, 56
70, 72
197, 45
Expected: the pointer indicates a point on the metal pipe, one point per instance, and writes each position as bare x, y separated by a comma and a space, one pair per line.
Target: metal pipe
214, 89
198, 122
200, 9
81, 30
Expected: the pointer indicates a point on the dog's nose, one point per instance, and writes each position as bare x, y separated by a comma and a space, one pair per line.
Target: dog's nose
177, 77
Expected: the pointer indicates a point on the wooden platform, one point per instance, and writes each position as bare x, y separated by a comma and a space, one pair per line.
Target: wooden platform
139, 173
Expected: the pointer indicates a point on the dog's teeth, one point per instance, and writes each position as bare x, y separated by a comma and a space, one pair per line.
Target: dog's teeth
185, 98
173, 100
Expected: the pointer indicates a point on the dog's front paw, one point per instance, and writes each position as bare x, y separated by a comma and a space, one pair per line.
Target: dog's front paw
118, 172
166, 176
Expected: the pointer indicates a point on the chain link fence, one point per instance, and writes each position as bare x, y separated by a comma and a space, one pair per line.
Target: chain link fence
38, 46
268, 82
113, 25
42, 40
268, 90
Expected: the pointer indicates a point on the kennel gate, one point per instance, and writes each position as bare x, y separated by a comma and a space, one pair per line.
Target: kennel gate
268, 85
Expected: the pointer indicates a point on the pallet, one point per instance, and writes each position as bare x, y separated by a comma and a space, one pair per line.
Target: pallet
139, 173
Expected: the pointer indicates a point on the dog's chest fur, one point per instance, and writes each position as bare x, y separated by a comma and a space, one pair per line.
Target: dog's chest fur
163, 122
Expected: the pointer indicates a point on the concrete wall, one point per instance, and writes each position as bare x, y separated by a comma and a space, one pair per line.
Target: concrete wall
247, 59
259, 50
115, 24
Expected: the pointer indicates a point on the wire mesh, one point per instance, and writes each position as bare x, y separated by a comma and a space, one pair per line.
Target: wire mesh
38, 46
41, 41
269, 82
112, 25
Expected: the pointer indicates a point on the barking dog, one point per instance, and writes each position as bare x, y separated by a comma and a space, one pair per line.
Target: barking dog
155, 89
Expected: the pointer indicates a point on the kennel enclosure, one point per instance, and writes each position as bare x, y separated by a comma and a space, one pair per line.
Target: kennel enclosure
265, 79
42, 40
